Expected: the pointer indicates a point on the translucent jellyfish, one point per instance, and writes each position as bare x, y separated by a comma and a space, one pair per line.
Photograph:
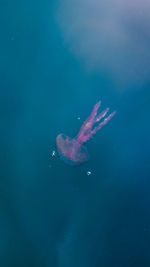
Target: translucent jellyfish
72, 150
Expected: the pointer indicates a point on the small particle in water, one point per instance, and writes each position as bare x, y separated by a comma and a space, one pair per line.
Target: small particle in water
88, 173
53, 153
78, 118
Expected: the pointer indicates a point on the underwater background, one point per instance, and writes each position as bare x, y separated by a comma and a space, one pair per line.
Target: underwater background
53, 70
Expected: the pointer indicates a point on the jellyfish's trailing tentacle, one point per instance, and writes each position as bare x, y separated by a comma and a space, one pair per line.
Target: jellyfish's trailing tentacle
91, 118
86, 132
95, 109
105, 121
101, 115
88, 124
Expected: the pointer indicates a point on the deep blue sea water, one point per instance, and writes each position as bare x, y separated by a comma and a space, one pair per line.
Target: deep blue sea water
53, 214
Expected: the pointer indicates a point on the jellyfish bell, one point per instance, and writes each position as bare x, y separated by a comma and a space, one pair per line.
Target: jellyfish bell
70, 150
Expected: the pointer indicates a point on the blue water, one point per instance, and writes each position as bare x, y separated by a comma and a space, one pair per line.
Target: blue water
53, 214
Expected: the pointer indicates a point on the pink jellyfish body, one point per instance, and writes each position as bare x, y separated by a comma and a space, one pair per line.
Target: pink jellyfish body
73, 151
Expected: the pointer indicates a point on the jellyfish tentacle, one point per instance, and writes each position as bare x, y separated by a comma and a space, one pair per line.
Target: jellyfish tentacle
101, 115
86, 132
88, 123
93, 113
95, 109
103, 123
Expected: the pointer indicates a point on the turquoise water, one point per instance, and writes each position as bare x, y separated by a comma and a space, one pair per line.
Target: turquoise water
53, 214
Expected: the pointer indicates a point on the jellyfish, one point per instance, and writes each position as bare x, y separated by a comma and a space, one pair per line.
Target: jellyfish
72, 150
